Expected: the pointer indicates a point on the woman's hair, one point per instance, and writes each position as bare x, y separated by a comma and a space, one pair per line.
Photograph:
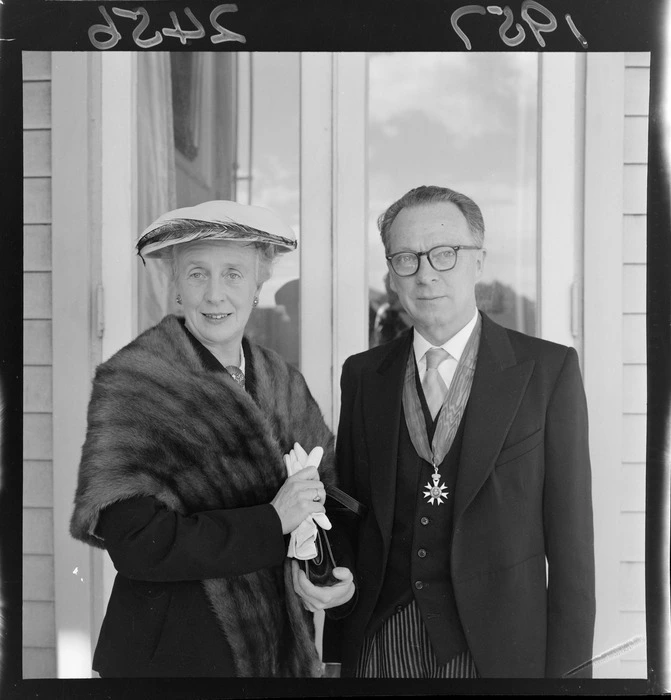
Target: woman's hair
267, 253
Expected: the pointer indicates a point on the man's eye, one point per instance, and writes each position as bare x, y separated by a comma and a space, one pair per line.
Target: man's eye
405, 259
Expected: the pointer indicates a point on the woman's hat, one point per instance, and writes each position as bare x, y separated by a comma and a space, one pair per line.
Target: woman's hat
219, 220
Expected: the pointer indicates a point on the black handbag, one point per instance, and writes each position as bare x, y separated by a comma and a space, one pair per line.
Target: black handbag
319, 569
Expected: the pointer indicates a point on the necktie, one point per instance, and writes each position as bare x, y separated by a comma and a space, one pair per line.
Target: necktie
237, 374
433, 385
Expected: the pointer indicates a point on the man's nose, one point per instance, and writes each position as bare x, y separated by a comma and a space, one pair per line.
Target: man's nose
425, 272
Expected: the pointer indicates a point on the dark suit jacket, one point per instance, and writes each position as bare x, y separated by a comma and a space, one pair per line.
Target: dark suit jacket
523, 496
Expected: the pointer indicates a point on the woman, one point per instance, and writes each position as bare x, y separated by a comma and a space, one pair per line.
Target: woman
182, 477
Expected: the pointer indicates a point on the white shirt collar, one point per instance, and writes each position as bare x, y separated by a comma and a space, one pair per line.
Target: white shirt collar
455, 345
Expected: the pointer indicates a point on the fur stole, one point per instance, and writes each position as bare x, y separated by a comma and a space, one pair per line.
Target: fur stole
161, 425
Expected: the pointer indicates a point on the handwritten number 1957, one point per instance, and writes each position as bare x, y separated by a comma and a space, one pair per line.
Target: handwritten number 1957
537, 28
198, 32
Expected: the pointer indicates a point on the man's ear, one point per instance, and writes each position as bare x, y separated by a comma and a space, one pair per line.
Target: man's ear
392, 279
480, 263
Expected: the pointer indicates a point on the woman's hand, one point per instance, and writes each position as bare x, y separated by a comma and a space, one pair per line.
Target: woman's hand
323, 597
301, 494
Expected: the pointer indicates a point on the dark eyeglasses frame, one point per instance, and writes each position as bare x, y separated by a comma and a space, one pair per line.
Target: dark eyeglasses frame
418, 256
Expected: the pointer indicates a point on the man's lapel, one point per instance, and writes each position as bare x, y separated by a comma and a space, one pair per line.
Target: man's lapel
499, 383
382, 398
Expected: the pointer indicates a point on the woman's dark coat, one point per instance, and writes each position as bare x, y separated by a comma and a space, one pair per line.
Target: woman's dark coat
177, 474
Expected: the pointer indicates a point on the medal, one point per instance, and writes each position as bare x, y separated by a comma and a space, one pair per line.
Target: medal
448, 419
436, 492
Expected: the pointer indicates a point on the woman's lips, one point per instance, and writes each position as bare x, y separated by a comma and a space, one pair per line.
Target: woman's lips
216, 317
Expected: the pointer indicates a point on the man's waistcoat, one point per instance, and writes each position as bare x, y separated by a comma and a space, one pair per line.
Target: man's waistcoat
419, 556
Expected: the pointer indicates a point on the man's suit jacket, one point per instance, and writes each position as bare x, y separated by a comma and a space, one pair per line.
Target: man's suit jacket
523, 496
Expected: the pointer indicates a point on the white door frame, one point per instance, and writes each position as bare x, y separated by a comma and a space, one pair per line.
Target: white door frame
560, 196
316, 241
118, 234
76, 273
333, 247
603, 354
94, 287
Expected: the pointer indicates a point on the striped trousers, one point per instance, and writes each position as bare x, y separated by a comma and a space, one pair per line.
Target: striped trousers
401, 648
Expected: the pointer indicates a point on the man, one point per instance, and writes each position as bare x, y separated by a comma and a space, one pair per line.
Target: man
468, 443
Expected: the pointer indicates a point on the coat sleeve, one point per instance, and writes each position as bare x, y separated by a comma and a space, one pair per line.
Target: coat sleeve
344, 521
344, 452
147, 541
568, 525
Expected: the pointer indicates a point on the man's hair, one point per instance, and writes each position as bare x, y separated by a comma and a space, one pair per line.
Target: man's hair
431, 194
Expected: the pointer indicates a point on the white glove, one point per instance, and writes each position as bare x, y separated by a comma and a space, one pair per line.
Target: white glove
302, 541
298, 458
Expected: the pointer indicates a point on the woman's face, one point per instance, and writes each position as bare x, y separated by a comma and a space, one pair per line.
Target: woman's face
217, 281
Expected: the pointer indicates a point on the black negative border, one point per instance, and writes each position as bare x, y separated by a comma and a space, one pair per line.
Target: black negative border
609, 25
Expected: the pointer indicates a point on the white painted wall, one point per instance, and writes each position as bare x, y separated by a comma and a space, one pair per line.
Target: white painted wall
615, 346
39, 635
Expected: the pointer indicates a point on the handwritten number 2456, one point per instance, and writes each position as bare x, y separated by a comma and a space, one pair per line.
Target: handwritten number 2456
198, 32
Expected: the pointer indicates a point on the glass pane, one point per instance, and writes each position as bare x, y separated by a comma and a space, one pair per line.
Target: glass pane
186, 136
427, 125
221, 126
268, 175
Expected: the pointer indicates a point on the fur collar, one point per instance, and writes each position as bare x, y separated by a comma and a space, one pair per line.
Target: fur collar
161, 425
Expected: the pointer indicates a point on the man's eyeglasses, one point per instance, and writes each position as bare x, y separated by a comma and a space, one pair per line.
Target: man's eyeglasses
441, 258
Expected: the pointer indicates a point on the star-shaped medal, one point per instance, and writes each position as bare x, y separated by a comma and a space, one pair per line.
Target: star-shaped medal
434, 491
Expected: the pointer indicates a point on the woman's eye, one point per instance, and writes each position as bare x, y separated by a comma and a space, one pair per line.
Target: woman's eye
233, 275
196, 275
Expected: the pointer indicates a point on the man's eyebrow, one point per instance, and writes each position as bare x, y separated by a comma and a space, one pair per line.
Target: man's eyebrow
438, 245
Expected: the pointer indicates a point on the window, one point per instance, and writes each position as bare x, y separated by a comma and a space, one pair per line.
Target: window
221, 126
428, 126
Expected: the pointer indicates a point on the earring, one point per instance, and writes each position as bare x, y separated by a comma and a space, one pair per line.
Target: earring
178, 299
256, 301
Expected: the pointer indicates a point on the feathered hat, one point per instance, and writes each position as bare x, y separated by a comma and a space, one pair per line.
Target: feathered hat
219, 220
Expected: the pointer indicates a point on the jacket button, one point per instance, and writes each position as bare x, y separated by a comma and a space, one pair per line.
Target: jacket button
421, 553
419, 585
399, 608
424, 520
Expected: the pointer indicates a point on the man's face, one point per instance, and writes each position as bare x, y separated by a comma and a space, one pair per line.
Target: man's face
439, 303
